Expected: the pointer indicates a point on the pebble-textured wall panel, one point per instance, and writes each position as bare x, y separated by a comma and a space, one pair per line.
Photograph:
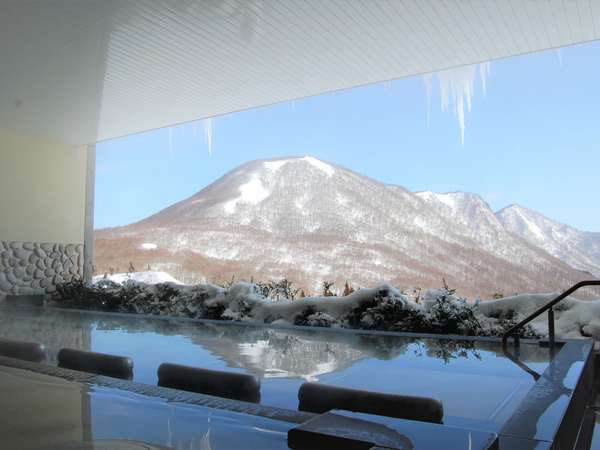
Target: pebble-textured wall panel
36, 268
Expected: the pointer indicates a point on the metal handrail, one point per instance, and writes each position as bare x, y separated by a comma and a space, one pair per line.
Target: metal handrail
548, 307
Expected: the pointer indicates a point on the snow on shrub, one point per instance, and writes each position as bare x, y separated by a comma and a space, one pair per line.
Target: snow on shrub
450, 314
311, 317
386, 309
381, 308
573, 318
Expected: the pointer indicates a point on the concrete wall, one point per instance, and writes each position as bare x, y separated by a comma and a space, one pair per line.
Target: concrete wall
42, 190
42, 213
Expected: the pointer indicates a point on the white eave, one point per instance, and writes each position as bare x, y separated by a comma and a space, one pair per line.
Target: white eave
86, 71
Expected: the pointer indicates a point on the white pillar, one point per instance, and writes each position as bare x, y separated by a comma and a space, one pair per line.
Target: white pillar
90, 185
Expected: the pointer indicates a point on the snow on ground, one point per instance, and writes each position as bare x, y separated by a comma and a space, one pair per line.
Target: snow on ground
382, 308
573, 318
148, 277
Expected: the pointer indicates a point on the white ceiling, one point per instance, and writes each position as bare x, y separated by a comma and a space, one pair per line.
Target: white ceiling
82, 71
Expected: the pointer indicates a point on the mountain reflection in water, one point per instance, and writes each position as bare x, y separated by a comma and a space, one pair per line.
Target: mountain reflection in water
264, 352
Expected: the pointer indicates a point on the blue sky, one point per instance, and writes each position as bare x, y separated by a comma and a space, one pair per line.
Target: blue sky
533, 139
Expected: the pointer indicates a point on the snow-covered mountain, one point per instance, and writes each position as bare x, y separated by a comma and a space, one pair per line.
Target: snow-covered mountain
579, 249
311, 221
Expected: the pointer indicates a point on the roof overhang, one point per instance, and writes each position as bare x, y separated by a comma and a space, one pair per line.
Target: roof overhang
86, 71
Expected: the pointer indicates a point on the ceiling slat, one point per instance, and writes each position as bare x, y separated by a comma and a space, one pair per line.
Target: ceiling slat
81, 72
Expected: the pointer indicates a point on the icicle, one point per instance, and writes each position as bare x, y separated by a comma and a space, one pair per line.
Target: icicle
457, 87
171, 139
559, 56
484, 73
293, 105
208, 133
427, 80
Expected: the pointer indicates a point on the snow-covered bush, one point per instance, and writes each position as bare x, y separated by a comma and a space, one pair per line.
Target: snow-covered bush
310, 316
383, 308
388, 309
241, 299
278, 290
77, 294
501, 321
449, 314
320, 319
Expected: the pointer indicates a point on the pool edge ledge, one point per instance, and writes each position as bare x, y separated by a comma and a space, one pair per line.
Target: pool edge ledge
168, 394
573, 364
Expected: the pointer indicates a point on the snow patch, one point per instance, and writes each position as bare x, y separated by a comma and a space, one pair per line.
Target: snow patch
319, 165
252, 192
147, 277
229, 206
274, 166
531, 226
223, 253
447, 199
419, 222
341, 199
148, 246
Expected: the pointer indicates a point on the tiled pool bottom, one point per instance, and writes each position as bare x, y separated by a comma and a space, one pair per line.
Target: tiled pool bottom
478, 385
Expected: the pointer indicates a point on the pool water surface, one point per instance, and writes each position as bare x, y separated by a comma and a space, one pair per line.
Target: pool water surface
477, 384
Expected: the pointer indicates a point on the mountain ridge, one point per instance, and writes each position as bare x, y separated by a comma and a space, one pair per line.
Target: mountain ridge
313, 221
579, 249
